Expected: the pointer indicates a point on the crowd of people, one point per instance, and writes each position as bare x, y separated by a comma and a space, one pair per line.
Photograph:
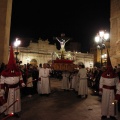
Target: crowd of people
25, 80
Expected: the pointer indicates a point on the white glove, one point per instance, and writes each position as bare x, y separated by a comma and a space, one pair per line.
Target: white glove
100, 92
23, 84
2, 92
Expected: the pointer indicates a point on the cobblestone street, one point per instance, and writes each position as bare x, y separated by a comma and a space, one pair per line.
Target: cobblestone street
60, 105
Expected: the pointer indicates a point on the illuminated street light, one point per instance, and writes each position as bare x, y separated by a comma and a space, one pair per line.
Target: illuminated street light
16, 44
104, 56
100, 39
28, 59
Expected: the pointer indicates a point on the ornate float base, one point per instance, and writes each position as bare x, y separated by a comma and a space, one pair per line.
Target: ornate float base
63, 65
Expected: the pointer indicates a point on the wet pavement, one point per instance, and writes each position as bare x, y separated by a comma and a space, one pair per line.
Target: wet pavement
60, 105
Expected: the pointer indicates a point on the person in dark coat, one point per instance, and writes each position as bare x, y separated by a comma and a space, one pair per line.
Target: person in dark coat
35, 75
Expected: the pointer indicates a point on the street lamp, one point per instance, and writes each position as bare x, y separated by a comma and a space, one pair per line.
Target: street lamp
28, 59
16, 44
100, 39
104, 57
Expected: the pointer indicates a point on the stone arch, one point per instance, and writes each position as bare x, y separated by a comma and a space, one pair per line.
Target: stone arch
33, 62
49, 61
80, 63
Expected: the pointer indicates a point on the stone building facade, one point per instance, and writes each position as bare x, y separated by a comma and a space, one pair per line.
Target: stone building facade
5, 23
115, 32
43, 52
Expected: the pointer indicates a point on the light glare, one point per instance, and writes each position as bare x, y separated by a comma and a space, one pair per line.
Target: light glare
101, 33
97, 39
106, 36
17, 42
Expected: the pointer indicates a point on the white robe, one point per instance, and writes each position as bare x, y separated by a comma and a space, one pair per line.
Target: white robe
44, 74
13, 94
83, 86
2, 107
65, 81
108, 96
118, 90
73, 81
77, 82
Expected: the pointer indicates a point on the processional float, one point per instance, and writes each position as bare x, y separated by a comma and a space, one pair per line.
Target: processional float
61, 63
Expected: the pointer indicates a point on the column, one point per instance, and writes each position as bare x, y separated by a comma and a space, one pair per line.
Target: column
5, 23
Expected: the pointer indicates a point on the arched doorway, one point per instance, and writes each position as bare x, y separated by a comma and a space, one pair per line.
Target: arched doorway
50, 62
33, 62
80, 63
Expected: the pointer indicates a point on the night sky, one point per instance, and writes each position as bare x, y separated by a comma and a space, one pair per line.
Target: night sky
79, 20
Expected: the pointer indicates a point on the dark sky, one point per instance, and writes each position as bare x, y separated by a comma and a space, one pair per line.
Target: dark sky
78, 19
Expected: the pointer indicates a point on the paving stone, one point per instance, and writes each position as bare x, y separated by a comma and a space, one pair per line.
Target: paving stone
60, 105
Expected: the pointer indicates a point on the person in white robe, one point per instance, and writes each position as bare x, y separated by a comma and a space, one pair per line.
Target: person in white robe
44, 80
83, 86
76, 81
117, 97
107, 88
11, 81
73, 80
65, 80
2, 100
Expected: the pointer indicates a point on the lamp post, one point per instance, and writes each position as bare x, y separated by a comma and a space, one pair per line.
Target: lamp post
104, 57
28, 60
100, 39
16, 44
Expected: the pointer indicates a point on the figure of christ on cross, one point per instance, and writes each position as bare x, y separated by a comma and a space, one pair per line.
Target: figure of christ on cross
62, 43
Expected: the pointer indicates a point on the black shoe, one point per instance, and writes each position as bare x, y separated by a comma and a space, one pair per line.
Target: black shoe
103, 117
16, 115
79, 96
4, 116
47, 95
113, 118
86, 96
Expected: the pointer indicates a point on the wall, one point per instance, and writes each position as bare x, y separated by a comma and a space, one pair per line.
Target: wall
43, 52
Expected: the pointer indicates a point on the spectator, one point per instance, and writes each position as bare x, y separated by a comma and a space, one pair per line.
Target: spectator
44, 74
29, 83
